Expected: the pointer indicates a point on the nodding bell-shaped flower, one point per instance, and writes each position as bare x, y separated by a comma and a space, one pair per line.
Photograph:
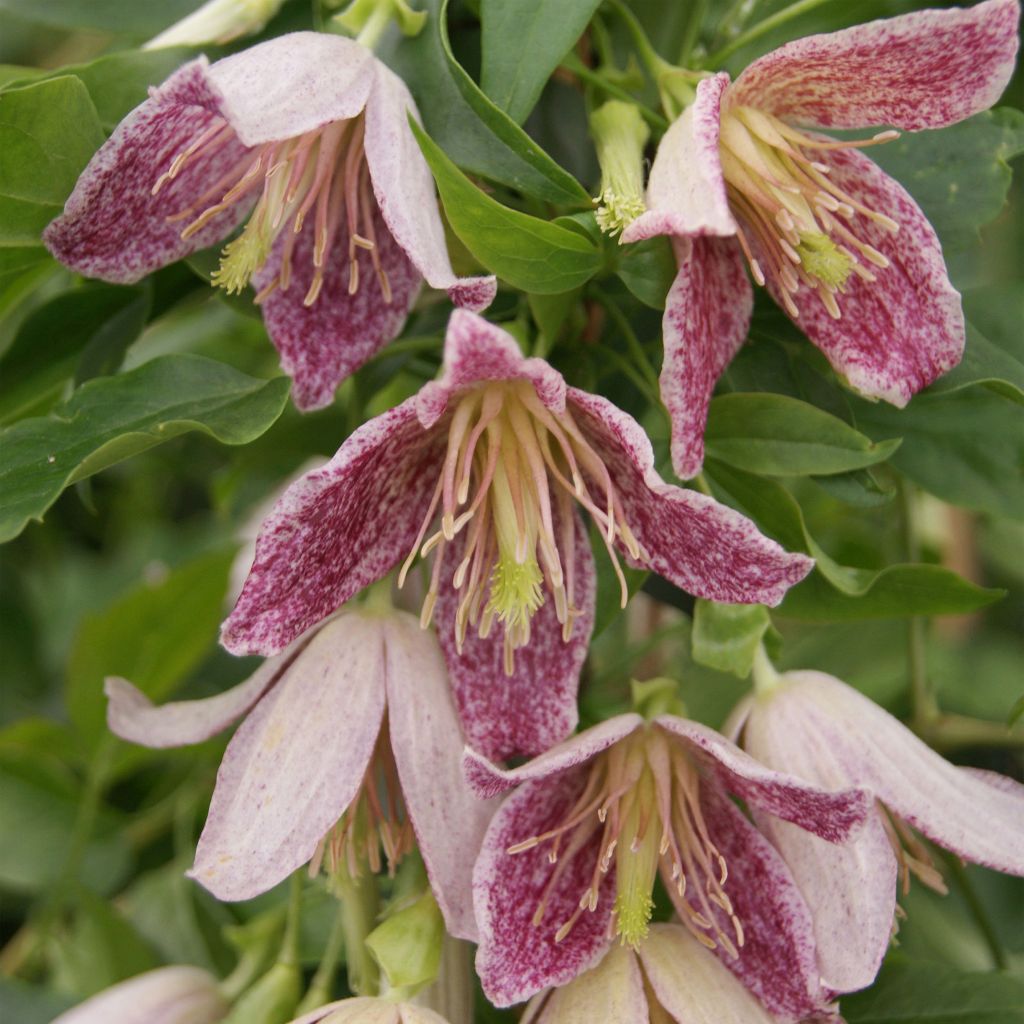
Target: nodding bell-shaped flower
570, 859
481, 474
370, 1010
824, 731
349, 757
306, 140
744, 177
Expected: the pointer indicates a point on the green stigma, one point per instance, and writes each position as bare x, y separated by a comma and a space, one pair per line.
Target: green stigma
241, 259
515, 590
823, 259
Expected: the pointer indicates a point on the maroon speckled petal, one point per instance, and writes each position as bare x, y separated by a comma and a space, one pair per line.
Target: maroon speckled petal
297, 761
904, 330
475, 351
336, 530
707, 316
324, 343
700, 545
517, 958
112, 226
534, 708
922, 70
448, 818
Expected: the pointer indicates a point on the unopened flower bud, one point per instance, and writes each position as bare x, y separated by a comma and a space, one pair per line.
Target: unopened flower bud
218, 21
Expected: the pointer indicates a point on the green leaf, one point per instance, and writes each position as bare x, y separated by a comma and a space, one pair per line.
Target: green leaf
48, 133
726, 636
17, 260
780, 436
113, 418
648, 269
30, 1004
107, 15
532, 254
523, 41
468, 126
153, 636
932, 993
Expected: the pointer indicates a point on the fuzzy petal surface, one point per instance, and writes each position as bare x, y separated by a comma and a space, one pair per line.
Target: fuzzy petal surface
405, 192
686, 191
296, 763
113, 227
694, 541
448, 818
691, 984
612, 993
516, 958
707, 316
534, 708
921, 70
335, 531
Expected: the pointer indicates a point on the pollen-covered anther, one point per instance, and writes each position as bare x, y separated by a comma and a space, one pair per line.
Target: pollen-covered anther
796, 227
321, 175
912, 855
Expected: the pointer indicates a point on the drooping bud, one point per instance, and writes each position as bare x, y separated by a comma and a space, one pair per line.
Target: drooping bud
218, 21
620, 135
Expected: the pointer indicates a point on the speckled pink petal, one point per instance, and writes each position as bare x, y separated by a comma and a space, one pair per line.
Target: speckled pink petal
906, 329
168, 995
293, 84
921, 70
112, 226
448, 818
517, 958
490, 780
686, 190
700, 545
610, 993
405, 191
691, 984
475, 351
835, 816
336, 530
707, 316
323, 343
297, 761
534, 708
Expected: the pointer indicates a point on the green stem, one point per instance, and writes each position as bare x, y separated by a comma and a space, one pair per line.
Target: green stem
289, 954
359, 917
573, 64
978, 910
698, 10
761, 28
321, 987
763, 673
949, 732
652, 59
635, 348
376, 25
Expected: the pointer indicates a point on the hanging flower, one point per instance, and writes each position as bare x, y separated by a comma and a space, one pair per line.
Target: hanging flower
824, 731
349, 756
368, 1010
481, 473
306, 139
743, 177
570, 859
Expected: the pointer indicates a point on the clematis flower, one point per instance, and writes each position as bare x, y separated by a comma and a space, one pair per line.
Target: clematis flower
670, 979
744, 177
482, 472
824, 731
350, 747
168, 995
307, 136
570, 859
368, 1010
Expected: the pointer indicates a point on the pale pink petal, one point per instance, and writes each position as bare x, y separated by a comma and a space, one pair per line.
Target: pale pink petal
610, 993
336, 530
351, 1011
835, 816
293, 84
490, 780
707, 316
921, 70
448, 818
904, 330
691, 984
168, 995
113, 227
405, 191
691, 539
686, 191
534, 708
476, 350
517, 958
296, 763
323, 343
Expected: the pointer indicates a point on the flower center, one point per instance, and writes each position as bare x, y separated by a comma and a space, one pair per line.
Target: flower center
375, 821
641, 803
796, 226
322, 174
510, 475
